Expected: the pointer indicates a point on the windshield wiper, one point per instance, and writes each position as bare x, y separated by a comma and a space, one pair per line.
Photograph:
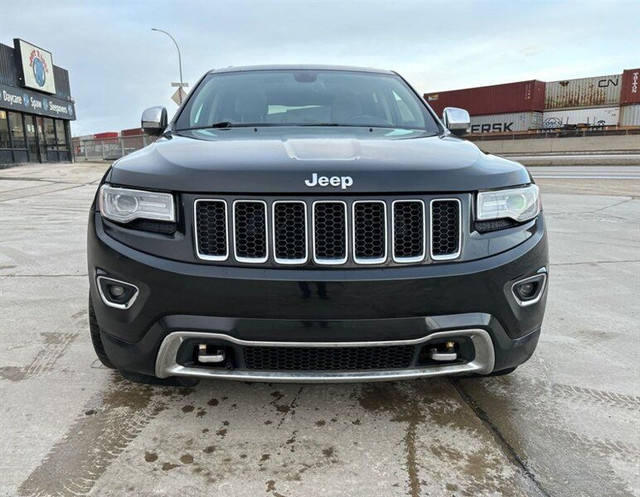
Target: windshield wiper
228, 124
221, 124
318, 124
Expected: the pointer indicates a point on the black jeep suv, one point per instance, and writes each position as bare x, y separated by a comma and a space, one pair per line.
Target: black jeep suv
312, 224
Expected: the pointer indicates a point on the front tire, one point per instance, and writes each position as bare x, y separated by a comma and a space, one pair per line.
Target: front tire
172, 381
98, 347
96, 339
503, 371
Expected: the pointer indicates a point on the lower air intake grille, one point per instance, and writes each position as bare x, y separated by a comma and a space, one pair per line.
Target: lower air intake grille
211, 229
445, 229
328, 358
330, 232
250, 228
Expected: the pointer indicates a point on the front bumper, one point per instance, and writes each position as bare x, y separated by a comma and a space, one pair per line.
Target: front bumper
337, 306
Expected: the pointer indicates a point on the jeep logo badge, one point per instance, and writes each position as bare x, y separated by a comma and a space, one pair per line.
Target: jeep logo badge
343, 182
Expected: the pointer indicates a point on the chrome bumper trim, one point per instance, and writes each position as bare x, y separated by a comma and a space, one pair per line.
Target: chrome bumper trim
167, 366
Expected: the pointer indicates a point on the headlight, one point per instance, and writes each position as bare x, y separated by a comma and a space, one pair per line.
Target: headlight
123, 205
520, 204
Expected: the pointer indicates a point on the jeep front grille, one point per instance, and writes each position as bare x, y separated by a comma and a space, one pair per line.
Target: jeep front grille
212, 230
350, 232
290, 232
369, 232
250, 231
445, 229
408, 230
330, 232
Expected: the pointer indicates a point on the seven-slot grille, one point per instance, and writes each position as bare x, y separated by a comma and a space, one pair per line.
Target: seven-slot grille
408, 230
290, 232
369, 232
250, 230
328, 232
212, 230
445, 229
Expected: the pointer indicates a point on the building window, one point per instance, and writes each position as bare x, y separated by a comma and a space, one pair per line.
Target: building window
32, 143
60, 134
17, 130
4, 130
49, 131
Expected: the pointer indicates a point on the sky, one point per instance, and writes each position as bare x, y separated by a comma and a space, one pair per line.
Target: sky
118, 66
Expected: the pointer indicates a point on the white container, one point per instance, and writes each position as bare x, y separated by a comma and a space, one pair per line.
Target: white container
506, 123
584, 92
595, 116
630, 115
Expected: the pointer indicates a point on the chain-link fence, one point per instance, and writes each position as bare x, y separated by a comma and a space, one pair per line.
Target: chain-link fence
109, 148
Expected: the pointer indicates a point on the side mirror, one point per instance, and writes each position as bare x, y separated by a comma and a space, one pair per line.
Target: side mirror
154, 120
456, 120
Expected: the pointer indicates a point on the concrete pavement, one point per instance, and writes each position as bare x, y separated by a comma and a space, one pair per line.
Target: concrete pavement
586, 172
565, 423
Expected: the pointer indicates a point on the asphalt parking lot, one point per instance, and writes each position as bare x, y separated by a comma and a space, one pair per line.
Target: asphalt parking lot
565, 423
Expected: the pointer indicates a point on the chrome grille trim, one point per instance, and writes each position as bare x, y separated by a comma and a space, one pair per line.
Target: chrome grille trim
333, 262
445, 257
348, 211
385, 235
251, 260
274, 235
408, 260
205, 257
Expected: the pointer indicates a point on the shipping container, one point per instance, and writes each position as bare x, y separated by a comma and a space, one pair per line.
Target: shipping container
594, 116
525, 96
630, 115
131, 132
630, 93
584, 92
505, 123
134, 139
106, 135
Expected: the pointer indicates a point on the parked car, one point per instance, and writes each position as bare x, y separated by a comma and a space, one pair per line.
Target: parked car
313, 224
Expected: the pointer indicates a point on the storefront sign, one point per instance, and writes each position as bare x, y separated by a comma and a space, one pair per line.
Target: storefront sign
37, 67
22, 100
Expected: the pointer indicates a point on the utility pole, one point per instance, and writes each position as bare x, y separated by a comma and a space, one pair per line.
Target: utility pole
180, 90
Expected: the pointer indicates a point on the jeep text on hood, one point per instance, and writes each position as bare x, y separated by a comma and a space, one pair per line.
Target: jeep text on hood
297, 223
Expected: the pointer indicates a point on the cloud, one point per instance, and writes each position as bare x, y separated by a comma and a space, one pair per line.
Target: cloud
118, 66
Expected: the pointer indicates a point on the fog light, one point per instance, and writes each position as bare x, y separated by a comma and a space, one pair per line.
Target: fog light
115, 293
529, 290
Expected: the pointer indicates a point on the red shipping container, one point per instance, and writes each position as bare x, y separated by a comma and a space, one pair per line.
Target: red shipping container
630, 93
131, 132
106, 135
524, 96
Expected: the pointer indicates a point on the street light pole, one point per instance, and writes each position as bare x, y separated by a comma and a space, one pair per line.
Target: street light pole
180, 90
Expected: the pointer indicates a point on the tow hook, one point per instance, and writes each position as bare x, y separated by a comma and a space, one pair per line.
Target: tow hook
218, 356
444, 354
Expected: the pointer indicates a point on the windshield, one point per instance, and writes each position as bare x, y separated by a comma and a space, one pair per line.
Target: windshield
304, 98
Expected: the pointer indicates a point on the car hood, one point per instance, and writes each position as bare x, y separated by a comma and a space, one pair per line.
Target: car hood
284, 160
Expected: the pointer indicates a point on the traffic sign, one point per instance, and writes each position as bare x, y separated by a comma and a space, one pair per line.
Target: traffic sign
178, 85
179, 96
